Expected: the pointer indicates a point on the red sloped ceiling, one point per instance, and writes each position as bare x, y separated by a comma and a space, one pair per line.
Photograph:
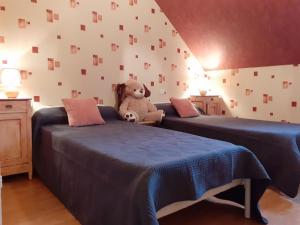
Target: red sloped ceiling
248, 33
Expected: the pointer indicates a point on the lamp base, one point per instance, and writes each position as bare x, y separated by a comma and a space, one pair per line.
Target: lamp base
12, 94
203, 93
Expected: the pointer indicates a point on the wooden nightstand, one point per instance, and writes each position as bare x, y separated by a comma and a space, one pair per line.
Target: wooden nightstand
210, 104
15, 136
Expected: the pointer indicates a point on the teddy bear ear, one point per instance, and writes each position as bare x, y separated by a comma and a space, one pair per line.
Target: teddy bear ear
147, 92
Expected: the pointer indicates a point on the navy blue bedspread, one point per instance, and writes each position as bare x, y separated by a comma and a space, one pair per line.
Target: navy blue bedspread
122, 173
275, 144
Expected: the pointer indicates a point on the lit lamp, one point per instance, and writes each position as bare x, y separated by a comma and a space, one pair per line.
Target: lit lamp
11, 81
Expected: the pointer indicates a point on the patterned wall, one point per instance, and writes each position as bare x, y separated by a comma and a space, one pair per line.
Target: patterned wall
83, 48
268, 93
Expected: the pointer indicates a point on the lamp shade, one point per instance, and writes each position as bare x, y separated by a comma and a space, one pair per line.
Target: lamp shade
10, 78
11, 81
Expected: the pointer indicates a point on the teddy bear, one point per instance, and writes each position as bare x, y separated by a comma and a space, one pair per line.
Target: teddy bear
134, 105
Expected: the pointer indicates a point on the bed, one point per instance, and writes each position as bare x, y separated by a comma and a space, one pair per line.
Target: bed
129, 174
275, 144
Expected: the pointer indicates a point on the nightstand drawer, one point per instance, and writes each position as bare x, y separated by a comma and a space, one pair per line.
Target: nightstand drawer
13, 106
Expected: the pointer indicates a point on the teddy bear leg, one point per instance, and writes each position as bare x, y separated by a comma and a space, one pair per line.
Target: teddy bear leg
154, 116
162, 113
131, 116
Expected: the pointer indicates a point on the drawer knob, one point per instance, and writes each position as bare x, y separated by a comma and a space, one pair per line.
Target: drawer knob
8, 106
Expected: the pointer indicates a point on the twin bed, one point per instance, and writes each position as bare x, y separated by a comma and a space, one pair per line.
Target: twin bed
276, 145
128, 174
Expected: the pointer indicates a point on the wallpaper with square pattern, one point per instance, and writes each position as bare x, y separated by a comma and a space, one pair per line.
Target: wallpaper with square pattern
267, 93
83, 48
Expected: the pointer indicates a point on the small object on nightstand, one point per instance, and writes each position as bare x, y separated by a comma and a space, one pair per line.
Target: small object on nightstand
210, 104
15, 136
203, 93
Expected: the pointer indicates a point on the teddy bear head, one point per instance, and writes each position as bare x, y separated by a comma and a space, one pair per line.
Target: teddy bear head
135, 89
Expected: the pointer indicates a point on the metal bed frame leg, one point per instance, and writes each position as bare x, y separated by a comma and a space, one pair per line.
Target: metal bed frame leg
247, 185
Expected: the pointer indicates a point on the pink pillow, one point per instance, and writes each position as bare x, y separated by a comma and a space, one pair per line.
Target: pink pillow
82, 112
184, 107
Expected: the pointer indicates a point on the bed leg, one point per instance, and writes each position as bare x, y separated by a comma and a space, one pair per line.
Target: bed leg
247, 185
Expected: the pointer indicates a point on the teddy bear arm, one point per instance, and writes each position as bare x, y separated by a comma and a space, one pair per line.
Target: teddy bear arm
124, 107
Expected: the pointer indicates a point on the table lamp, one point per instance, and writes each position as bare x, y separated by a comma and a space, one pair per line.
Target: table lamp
11, 81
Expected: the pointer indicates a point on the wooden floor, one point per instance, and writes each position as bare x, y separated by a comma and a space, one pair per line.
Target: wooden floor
30, 203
